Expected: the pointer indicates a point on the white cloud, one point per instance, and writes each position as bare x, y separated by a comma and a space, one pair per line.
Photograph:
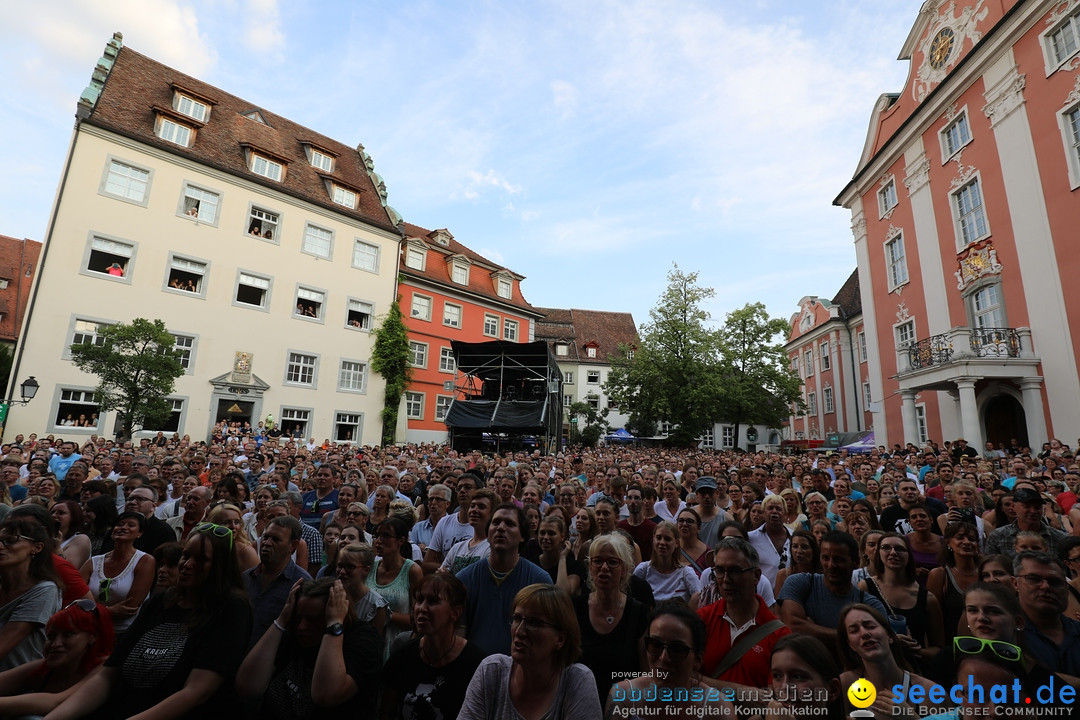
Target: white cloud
475, 183
262, 29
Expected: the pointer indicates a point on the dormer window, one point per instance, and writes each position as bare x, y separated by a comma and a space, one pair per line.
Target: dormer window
187, 105
261, 165
174, 132
415, 257
344, 196
442, 237
256, 116
590, 351
321, 160
504, 287
458, 266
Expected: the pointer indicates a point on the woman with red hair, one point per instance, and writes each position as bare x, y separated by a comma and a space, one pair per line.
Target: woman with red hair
78, 639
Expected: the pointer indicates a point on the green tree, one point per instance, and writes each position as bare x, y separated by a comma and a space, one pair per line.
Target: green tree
676, 373
594, 426
137, 367
390, 358
759, 385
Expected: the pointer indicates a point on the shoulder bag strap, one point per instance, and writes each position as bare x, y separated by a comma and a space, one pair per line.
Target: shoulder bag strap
746, 641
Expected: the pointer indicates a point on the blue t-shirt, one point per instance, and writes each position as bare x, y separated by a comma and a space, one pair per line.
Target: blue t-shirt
821, 604
487, 612
314, 508
58, 464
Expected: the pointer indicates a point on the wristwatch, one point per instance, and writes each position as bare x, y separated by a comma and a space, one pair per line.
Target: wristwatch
335, 629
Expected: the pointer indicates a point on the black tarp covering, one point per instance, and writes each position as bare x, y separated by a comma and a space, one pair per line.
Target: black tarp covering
488, 413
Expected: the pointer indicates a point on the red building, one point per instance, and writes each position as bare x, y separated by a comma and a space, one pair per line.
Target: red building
827, 348
964, 208
448, 292
18, 262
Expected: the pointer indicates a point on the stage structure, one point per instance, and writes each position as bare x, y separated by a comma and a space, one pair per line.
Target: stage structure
507, 396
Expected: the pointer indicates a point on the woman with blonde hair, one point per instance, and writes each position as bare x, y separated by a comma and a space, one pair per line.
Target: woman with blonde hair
231, 515
667, 572
585, 524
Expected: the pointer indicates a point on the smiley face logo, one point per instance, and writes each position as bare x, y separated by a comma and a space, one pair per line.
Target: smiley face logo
862, 693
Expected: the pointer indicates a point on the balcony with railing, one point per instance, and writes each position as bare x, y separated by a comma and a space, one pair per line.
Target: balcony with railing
968, 352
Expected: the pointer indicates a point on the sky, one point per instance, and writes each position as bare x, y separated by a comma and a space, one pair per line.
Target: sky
588, 145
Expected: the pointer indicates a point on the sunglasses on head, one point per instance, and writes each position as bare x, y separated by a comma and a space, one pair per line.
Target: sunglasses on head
217, 530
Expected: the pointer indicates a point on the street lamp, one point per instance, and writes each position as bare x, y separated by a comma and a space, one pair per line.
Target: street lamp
28, 389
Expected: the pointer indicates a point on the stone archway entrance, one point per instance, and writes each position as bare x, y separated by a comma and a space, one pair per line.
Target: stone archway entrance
1004, 419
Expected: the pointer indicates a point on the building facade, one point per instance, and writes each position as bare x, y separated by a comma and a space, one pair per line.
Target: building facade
448, 292
963, 210
18, 263
266, 248
827, 349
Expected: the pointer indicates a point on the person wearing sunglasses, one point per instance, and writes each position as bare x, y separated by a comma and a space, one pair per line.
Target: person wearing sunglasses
78, 639
674, 646
539, 678
29, 594
183, 649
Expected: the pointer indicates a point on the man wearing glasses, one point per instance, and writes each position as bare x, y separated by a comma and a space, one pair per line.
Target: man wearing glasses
438, 501
157, 532
1052, 638
452, 529
740, 629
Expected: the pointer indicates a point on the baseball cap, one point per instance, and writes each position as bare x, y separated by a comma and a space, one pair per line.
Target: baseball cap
705, 483
1027, 495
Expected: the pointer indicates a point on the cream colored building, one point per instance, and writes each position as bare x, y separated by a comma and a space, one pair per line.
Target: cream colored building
266, 248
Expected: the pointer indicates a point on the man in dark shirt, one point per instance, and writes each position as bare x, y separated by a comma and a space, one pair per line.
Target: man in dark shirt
157, 532
268, 583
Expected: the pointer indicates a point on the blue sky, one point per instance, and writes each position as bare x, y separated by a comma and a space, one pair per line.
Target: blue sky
586, 145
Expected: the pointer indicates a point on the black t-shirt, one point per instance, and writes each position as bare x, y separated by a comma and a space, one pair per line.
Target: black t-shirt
425, 692
894, 518
616, 651
158, 652
288, 695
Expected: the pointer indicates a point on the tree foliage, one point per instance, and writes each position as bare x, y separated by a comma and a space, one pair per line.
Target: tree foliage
676, 373
595, 423
390, 358
137, 366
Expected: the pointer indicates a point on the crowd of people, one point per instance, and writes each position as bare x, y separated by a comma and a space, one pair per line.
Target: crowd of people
259, 575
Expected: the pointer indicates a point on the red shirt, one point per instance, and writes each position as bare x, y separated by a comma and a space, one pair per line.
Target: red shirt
754, 667
74, 586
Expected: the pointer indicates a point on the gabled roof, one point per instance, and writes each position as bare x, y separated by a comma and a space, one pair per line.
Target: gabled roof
481, 271
849, 297
136, 85
578, 328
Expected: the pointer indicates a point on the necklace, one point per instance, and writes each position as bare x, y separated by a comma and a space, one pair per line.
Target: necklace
435, 662
498, 577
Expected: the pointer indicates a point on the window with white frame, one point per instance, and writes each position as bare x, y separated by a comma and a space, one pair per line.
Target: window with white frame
347, 427
321, 160
446, 360
261, 165
826, 360
666, 427
505, 288
418, 354
862, 347
452, 315
415, 258
808, 360
955, 135
592, 377
127, 182
896, 262
827, 399
867, 396
352, 376
562, 349
795, 364
986, 308
887, 197
359, 315
1064, 41
110, 258
318, 241
510, 330
970, 213
811, 403
76, 404
295, 422
309, 303
174, 132
201, 204
920, 423
590, 352
707, 439
253, 290
905, 333
491, 325
300, 369
567, 400
194, 109
183, 347
421, 307
365, 256
593, 401
263, 224
344, 196
727, 437
414, 405
568, 378
1070, 134
459, 273
442, 406
186, 275
87, 331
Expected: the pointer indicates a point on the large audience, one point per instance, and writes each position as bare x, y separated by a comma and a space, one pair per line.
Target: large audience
265, 576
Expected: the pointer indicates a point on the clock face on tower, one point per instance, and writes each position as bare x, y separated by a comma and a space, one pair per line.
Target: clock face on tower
941, 48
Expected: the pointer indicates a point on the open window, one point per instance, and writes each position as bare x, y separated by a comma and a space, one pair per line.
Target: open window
110, 258
309, 303
263, 224
186, 275
253, 290
359, 315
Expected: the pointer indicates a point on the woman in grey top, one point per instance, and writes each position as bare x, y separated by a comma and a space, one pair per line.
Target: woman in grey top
28, 591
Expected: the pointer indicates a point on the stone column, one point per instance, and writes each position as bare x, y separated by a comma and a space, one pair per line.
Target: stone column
969, 412
907, 412
1033, 411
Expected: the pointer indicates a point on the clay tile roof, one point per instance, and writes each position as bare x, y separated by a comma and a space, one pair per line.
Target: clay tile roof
481, 280
137, 84
849, 297
607, 330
